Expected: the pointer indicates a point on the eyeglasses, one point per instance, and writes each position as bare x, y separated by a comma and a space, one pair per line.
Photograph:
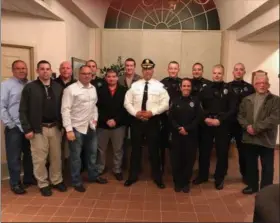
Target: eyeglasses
86, 74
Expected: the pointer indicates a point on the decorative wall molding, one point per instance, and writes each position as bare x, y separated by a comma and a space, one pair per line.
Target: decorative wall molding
188, 15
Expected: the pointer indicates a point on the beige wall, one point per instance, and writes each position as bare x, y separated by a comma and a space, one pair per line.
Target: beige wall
96, 10
46, 36
95, 45
241, 8
162, 47
54, 41
255, 56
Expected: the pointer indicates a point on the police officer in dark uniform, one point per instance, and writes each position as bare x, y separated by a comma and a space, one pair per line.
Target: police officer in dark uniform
219, 107
240, 89
184, 116
198, 82
172, 85
96, 81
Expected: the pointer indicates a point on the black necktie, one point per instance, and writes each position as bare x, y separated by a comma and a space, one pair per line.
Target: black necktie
145, 97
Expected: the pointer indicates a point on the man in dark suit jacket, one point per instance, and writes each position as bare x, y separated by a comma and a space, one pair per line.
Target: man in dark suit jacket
111, 122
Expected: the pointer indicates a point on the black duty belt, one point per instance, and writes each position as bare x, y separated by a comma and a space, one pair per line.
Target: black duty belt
213, 116
49, 125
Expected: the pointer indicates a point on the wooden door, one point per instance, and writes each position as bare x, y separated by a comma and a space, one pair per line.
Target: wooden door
9, 54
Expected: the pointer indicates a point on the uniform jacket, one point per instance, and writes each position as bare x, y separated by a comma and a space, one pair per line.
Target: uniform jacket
218, 102
198, 84
185, 112
98, 82
266, 122
172, 85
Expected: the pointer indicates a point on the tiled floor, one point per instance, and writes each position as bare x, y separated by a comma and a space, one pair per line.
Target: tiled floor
141, 202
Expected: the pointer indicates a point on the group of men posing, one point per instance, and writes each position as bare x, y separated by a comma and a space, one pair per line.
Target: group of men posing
180, 114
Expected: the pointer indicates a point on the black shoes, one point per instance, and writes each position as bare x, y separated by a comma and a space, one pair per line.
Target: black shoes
219, 184
128, 182
60, 187
186, 189
46, 191
119, 176
99, 180
30, 183
177, 189
249, 190
80, 188
160, 184
199, 180
18, 189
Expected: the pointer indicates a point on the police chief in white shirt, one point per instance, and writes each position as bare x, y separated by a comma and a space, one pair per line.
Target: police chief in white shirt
80, 114
145, 101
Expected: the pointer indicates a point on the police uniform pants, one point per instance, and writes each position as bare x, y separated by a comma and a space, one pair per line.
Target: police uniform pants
183, 155
236, 133
220, 135
164, 138
151, 131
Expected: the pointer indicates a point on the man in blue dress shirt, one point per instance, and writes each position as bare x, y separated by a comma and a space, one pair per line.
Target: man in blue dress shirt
16, 143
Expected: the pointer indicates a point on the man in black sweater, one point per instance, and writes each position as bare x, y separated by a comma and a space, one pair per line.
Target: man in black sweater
40, 117
111, 122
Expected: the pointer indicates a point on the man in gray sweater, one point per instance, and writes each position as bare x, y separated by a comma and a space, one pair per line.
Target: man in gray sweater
259, 118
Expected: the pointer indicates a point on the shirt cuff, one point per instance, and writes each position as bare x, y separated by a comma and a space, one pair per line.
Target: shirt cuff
12, 125
154, 111
69, 129
92, 125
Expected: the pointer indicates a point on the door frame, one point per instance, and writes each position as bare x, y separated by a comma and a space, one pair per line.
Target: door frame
31, 50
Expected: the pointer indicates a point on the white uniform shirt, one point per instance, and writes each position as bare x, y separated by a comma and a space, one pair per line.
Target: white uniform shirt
158, 98
79, 107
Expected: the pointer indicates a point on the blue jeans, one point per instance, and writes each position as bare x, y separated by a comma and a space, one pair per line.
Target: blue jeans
88, 142
16, 143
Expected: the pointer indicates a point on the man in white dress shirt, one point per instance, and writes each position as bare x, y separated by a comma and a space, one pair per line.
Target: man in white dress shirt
145, 101
79, 114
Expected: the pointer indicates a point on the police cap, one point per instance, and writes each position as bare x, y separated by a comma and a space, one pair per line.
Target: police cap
147, 64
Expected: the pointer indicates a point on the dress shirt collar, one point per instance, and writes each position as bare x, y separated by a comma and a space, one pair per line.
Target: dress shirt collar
80, 85
149, 81
24, 81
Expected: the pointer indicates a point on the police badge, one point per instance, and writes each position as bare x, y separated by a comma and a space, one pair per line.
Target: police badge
191, 104
245, 89
99, 84
225, 91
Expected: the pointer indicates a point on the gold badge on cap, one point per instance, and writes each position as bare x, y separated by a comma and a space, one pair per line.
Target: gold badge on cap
147, 61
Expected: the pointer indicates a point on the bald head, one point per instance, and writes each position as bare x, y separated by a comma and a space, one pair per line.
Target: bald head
65, 70
238, 71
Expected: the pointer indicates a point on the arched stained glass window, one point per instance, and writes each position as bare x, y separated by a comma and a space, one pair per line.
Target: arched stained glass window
156, 14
